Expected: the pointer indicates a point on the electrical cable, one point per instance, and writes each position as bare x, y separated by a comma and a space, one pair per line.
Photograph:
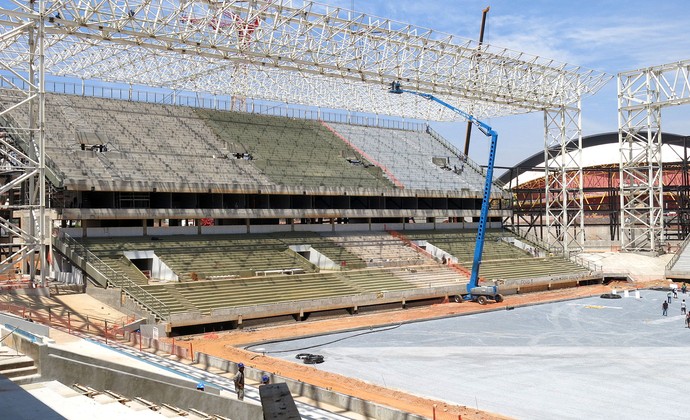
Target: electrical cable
249, 348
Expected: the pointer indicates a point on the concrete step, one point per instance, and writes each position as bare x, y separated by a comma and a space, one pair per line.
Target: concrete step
20, 371
10, 362
27, 379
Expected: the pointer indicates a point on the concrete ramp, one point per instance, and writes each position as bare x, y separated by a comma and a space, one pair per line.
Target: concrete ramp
635, 267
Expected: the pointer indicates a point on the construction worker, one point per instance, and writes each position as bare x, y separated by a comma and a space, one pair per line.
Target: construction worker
683, 307
664, 307
265, 379
239, 381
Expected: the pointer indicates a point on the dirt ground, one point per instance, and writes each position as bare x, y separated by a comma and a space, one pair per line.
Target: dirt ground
229, 345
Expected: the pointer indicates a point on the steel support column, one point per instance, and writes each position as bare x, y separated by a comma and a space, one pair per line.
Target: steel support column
641, 96
563, 179
639, 139
22, 148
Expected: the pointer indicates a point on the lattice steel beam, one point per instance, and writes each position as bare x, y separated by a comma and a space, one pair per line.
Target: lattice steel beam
295, 52
291, 51
639, 139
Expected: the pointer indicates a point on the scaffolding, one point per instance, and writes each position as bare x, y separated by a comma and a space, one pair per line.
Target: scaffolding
642, 94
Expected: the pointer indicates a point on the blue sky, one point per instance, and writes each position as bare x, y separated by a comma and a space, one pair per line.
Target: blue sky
605, 35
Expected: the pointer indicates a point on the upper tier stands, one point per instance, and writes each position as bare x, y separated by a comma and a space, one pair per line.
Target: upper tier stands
180, 148
293, 152
408, 155
146, 143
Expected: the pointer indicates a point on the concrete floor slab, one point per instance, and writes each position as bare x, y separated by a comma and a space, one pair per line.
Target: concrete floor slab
588, 358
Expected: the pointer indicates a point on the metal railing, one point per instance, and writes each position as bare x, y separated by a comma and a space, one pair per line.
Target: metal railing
590, 265
215, 102
112, 277
454, 150
678, 253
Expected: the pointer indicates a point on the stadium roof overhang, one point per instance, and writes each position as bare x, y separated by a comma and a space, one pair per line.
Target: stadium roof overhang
289, 51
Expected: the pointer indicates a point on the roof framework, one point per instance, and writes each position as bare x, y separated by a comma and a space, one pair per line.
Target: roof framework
289, 51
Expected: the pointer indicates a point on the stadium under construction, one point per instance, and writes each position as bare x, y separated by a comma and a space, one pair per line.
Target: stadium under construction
207, 166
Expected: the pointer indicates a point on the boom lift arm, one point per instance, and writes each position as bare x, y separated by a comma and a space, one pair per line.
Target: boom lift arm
474, 291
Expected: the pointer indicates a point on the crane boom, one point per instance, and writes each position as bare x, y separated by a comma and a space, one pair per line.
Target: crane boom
473, 289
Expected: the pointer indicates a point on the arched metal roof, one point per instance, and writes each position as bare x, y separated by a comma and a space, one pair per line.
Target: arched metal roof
533, 166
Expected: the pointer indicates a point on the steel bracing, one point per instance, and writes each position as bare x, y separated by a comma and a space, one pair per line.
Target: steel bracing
563, 179
22, 153
283, 51
288, 51
641, 96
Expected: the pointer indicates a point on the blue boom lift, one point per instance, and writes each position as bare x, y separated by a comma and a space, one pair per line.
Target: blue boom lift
474, 292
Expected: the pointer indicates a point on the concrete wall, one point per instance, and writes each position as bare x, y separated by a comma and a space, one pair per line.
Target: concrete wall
436, 252
69, 368
169, 230
38, 330
314, 228
95, 232
421, 226
159, 270
301, 389
269, 228
223, 230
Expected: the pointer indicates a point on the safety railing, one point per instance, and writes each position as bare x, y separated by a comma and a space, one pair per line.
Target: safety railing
72, 322
144, 298
678, 253
590, 265
469, 162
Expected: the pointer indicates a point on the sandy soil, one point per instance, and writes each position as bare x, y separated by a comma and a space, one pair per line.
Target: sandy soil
229, 345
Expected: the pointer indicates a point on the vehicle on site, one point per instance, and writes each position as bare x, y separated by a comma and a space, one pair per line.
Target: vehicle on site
473, 291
